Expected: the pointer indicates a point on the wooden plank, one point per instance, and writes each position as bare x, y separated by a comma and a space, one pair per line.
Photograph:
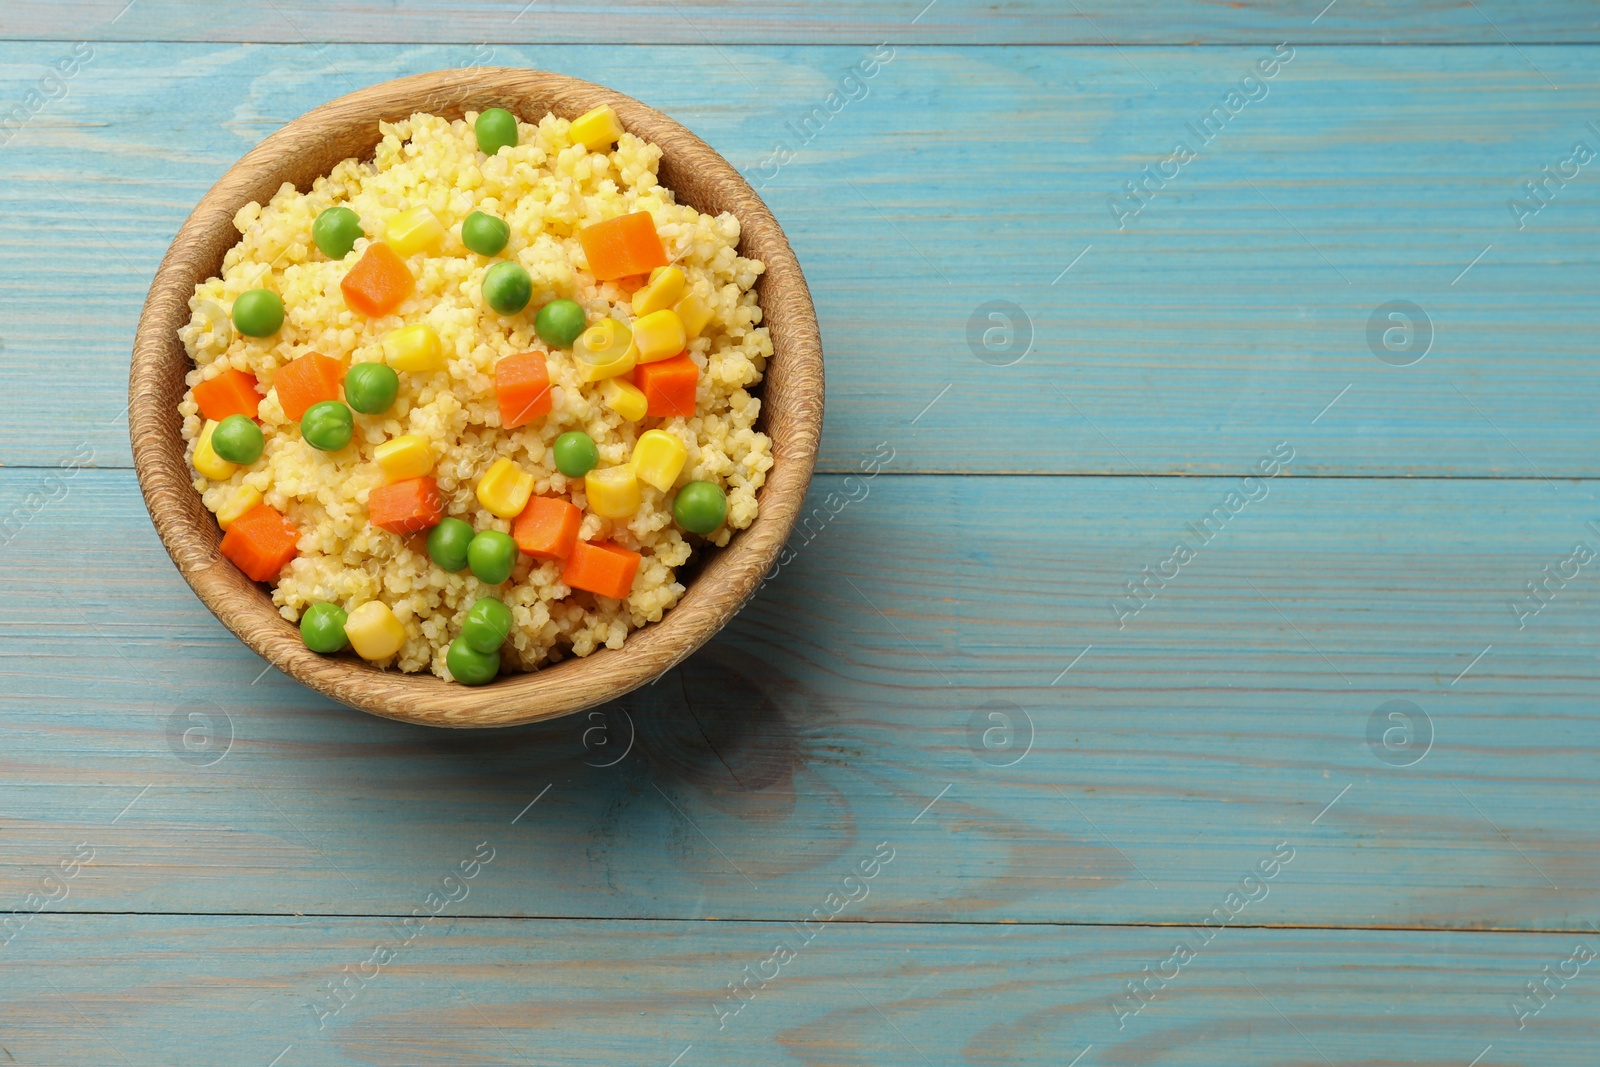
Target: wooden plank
850, 703
1091, 22
145, 989
1233, 308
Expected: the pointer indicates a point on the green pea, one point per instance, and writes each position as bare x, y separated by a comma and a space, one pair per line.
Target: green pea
700, 507
258, 313
336, 231
491, 555
487, 623
447, 544
322, 627
370, 388
507, 287
327, 426
560, 322
469, 666
485, 234
238, 439
496, 129
576, 454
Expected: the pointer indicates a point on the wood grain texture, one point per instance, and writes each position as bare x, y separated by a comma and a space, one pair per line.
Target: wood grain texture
1218, 318
109, 989
701, 22
846, 705
791, 394
851, 695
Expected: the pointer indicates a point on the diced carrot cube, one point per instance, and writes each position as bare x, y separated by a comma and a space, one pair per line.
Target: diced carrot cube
378, 282
406, 507
668, 386
310, 379
601, 567
233, 392
627, 244
522, 384
261, 542
547, 527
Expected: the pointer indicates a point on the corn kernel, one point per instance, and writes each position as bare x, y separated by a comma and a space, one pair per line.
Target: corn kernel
243, 499
597, 130
658, 335
624, 398
374, 632
504, 488
413, 348
414, 231
695, 313
665, 289
658, 456
613, 492
206, 460
404, 457
604, 350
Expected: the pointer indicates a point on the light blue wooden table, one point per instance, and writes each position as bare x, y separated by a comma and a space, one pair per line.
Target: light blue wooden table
993, 772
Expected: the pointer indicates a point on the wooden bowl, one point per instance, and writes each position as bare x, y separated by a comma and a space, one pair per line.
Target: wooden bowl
309, 147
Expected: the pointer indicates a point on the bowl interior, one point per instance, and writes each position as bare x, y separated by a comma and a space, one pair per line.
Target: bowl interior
309, 147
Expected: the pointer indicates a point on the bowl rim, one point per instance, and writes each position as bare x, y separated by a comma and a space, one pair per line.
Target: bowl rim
792, 407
